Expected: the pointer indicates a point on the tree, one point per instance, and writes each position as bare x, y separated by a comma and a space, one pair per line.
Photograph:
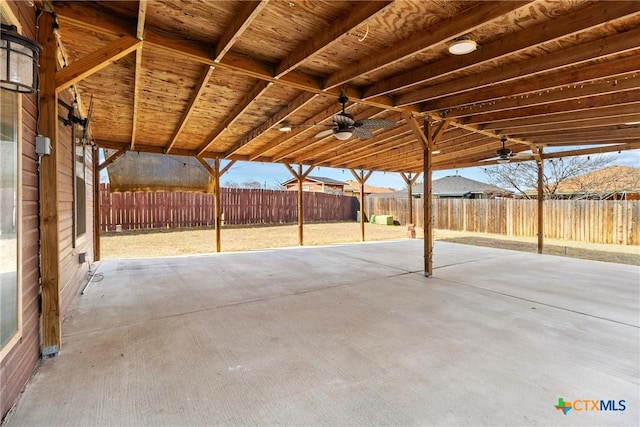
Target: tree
522, 177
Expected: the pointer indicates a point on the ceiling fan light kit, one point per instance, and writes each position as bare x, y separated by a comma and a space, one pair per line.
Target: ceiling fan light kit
462, 46
343, 135
345, 126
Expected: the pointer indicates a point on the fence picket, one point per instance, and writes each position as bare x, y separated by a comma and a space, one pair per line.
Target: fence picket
594, 221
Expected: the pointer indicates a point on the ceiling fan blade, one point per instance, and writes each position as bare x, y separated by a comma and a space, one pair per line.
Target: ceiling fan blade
362, 133
522, 155
343, 119
324, 133
375, 124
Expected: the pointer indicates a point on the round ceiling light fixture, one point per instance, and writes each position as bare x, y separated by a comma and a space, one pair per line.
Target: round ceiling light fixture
284, 127
462, 45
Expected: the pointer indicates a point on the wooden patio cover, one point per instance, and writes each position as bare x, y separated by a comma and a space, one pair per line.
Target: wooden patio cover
215, 79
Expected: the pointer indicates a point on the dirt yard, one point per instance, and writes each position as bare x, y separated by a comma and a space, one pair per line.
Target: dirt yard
134, 244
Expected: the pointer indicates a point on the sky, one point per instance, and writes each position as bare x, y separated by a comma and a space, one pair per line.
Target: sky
270, 175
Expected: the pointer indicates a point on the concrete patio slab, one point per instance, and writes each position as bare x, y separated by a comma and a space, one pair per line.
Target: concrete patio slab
345, 335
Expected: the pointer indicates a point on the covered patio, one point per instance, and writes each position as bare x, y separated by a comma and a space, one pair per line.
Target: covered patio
344, 335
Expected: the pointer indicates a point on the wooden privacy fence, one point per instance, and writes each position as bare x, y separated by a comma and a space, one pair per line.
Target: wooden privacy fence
593, 221
135, 211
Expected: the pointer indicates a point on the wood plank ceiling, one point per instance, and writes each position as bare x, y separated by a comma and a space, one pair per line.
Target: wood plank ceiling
216, 79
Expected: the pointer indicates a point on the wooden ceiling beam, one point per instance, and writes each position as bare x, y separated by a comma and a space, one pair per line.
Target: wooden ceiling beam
443, 31
558, 118
372, 150
249, 10
467, 137
157, 149
632, 132
136, 96
200, 86
376, 161
95, 61
631, 96
593, 150
590, 17
587, 91
480, 144
586, 52
353, 19
142, 13
84, 16
299, 102
303, 127
258, 90
618, 75
585, 125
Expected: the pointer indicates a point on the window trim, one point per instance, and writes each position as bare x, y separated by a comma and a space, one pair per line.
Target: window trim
4, 351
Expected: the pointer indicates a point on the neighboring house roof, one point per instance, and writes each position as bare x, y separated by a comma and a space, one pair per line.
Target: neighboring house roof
318, 179
456, 185
368, 189
612, 179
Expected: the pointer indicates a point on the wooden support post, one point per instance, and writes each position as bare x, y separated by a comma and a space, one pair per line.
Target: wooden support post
300, 176
217, 207
428, 138
410, 181
361, 178
540, 201
216, 173
97, 200
428, 208
48, 181
300, 208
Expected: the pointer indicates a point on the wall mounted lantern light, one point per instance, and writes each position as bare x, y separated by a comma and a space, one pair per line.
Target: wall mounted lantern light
18, 62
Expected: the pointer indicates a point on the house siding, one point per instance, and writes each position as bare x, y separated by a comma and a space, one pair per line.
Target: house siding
17, 366
19, 363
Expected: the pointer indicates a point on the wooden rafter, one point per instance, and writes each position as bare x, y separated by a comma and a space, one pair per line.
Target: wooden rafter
304, 127
249, 10
631, 96
86, 17
328, 153
115, 156
377, 149
612, 112
200, 86
590, 17
142, 14
95, 61
136, 96
445, 30
242, 106
599, 122
299, 102
586, 52
353, 19
596, 79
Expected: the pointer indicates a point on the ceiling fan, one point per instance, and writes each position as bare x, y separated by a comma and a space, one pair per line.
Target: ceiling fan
344, 126
505, 155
